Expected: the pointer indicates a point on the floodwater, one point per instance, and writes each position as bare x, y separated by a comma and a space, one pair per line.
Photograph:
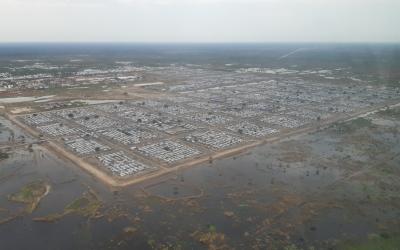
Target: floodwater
8, 132
316, 190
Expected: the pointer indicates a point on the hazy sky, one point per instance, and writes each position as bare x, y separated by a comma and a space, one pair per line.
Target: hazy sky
200, 20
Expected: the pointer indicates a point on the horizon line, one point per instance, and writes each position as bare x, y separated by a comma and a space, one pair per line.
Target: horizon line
199, 42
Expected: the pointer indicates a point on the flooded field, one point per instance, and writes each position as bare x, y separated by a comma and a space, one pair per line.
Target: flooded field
337, 188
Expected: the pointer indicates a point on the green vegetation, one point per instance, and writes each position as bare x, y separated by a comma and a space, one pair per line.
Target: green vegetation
211, 238
390, 112
382, 242
361, 122
31, 195
77, 104
88, 206
78, 204
3, 156
352, 125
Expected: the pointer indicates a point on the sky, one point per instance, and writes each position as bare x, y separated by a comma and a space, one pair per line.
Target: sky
199, 21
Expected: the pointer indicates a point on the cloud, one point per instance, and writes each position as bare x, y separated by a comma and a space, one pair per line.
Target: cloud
199, 20
361, 3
